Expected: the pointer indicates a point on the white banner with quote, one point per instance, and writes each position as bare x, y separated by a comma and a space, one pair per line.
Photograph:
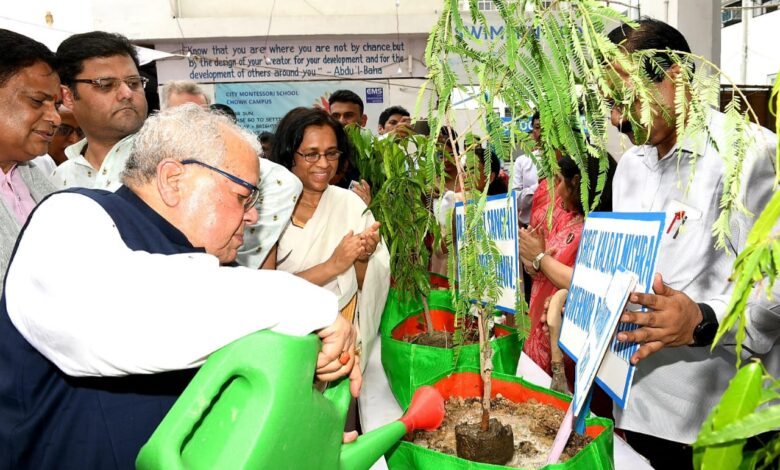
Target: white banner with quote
258, 60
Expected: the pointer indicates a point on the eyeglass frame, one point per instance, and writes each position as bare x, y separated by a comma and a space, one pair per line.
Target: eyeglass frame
78, 130
96, 82
306, 156
253, 197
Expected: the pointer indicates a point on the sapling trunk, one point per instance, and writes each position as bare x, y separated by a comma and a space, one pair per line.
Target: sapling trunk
485, 367
427, 315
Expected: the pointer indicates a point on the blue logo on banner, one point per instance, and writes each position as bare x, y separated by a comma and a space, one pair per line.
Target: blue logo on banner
375, 95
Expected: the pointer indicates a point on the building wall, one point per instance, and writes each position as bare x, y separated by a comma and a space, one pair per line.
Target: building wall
161, 20
763, 60
698, 20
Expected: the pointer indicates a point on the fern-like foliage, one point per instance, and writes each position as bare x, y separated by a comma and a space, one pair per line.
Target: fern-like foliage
555, 58
395, 169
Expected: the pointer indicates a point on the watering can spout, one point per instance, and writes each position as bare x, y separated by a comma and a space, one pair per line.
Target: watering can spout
426, 411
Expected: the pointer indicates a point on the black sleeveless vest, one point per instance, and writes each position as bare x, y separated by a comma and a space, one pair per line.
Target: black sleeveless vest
51, 420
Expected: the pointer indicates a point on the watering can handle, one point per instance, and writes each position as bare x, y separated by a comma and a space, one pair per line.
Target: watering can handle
209, 387
338, 393
221, 367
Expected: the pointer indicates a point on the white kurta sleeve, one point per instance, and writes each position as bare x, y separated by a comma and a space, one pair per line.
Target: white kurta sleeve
93, 306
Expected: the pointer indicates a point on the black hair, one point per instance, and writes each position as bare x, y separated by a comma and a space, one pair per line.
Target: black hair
653, 34
345, 96
497, 186
291, 129
535, 117
224, 109
391, 111
76, 49
20, 52
569, 169
448, 135
266, 136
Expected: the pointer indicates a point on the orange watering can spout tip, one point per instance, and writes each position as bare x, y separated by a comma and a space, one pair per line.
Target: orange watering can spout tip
426, 411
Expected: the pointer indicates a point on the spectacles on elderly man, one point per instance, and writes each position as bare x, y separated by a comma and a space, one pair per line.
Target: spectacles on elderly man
248, 201
314, 157
107, 84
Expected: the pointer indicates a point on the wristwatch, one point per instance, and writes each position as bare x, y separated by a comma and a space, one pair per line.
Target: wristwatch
537, 262
704, 333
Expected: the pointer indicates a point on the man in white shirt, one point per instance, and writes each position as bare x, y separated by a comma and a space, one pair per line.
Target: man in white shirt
103, 88
526, 178
676, 388
96, 338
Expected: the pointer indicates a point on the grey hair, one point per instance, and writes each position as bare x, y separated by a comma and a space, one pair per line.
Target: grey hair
180, 133
184, 87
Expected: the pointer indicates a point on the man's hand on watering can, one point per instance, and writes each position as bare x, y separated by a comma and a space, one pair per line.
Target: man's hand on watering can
337, 356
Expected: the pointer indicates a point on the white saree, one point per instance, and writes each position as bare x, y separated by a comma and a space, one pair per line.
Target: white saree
300, 248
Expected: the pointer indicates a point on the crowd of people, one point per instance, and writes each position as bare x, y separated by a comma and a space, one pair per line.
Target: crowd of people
134, 246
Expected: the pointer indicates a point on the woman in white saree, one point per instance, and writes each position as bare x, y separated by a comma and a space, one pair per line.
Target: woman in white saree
332, 240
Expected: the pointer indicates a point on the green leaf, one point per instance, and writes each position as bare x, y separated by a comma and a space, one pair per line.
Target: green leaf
761, 421
740, 399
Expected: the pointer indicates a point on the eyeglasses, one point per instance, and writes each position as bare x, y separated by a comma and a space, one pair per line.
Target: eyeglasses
314, 157
66, 130
107, 84
255, 191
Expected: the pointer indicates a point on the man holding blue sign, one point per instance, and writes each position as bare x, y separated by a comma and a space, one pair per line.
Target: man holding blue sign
675, 389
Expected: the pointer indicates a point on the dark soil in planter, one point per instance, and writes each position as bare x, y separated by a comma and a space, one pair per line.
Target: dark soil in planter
534, 426
496, 445
442, 339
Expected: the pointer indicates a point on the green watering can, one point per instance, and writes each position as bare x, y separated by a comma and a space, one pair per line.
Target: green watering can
253, 405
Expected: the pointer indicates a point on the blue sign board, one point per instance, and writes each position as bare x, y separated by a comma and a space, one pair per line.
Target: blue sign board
610, 241
375, 95
260, 106
500, 220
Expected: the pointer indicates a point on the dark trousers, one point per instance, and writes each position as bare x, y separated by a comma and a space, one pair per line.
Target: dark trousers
661, 453
664, 454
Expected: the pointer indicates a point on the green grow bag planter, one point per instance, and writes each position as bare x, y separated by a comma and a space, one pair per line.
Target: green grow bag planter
409, 366
397, 311
466, 382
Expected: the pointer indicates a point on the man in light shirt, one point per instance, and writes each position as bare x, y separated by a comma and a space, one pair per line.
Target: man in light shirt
29, 92
103, 88
526, 178
98, 340
675, 389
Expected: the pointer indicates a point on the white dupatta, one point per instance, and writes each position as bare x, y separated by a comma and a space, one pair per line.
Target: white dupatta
338, 212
